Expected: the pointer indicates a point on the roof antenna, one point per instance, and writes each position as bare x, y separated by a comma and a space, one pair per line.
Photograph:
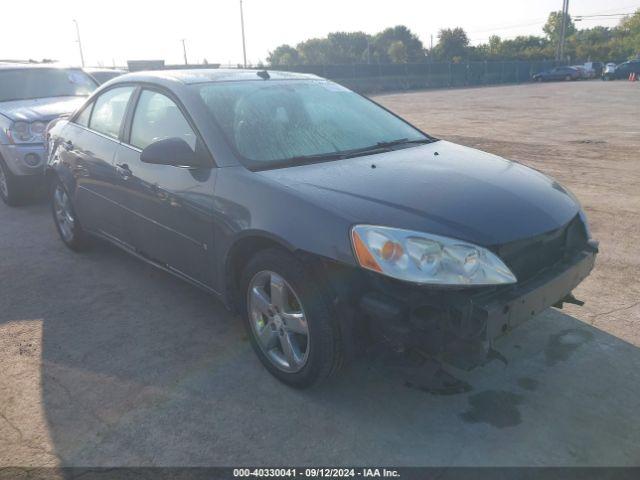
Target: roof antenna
263, 74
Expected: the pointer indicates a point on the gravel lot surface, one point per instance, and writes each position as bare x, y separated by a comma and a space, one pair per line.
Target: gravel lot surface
105, 361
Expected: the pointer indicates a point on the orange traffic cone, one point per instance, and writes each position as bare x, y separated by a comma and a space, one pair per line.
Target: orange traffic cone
632, 77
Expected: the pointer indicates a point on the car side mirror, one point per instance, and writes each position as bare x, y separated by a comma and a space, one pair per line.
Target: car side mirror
170, 151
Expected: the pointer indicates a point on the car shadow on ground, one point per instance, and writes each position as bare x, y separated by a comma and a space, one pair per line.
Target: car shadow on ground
139, 368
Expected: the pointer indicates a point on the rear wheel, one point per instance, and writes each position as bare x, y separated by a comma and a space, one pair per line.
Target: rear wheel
288, 320
65, 219
10, 190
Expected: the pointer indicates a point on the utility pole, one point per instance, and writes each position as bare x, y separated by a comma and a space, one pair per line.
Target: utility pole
184, 51
79, 42
563, 29
244, 47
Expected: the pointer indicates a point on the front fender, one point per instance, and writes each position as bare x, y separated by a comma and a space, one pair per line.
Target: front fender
55, 167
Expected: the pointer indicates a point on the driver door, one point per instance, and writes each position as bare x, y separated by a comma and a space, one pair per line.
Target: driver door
168, 208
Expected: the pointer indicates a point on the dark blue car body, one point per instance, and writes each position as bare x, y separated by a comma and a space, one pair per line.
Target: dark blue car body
204, 223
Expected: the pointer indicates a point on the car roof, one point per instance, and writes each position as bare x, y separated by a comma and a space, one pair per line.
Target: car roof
103, 69
194, 76
33, 66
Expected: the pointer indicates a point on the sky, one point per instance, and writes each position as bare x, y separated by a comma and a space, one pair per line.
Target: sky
115, 31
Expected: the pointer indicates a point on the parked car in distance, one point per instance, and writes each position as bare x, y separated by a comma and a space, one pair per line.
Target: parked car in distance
623, 70
585, 74
31, 96
558, 73
322, 218
608, 71
594, 69
103, 75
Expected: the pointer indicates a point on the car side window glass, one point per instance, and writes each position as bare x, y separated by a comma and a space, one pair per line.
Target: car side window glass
157, 117
83, 118
109, 111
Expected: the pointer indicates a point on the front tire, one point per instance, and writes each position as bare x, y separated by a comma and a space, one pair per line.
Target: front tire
65, 219
10, 190
288, 319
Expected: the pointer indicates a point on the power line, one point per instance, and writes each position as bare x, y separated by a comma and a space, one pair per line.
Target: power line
498, 28
509, 27
634, 6
607, 15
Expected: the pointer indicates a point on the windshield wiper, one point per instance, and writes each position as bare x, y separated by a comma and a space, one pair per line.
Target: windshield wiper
379, 147
302, 160
401, 141
316, 157
382, 147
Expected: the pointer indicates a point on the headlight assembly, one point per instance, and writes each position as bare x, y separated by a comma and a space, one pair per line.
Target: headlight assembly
427, 259
23, 132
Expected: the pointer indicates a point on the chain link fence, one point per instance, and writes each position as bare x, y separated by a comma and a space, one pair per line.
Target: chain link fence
371, 78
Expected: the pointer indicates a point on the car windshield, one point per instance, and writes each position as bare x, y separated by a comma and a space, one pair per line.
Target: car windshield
28, 83
290, 122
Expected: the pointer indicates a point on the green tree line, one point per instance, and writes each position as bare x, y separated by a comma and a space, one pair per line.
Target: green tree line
400, 45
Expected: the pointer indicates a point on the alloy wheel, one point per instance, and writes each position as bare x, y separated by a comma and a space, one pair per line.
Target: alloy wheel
63, 213
278, 321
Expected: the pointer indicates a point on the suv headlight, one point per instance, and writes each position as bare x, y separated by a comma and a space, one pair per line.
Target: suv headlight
426, 259
23, 132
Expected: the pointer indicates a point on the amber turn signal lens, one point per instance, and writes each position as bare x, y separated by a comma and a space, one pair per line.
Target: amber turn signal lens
363, 255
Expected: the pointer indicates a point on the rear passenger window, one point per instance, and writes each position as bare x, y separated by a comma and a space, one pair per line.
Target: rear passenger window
83, 118
157, 117
109, 111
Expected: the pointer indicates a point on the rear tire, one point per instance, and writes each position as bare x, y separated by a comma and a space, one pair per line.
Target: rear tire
273, 330
65, 219
10, 190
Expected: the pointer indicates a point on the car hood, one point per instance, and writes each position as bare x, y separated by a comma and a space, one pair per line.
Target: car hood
440, 188
42, 109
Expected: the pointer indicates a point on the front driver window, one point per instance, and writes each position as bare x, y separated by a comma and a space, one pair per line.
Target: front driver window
157, 117
109, 111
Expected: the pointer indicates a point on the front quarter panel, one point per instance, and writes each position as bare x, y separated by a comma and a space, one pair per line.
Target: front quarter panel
248, 204
54, 165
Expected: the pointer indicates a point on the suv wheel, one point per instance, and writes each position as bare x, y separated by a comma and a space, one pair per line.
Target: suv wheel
65, 218
288, 320
9, 189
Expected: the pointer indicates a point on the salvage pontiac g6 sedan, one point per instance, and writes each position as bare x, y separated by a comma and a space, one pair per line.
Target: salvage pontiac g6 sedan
318, 215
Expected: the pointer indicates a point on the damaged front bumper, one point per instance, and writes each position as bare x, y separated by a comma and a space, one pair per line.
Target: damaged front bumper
459, 325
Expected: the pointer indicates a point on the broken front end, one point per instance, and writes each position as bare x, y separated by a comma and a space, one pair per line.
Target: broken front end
458, 325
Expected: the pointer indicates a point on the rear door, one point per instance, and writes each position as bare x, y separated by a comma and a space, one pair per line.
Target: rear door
89, 146
168, 208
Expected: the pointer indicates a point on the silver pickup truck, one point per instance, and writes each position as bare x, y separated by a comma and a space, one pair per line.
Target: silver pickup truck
30, 97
